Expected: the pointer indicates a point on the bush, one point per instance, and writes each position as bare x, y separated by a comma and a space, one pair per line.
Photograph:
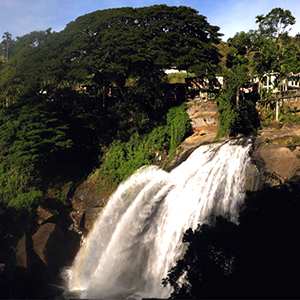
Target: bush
237, 116
121, 160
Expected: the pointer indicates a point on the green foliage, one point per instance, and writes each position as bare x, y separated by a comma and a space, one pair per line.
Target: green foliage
108, 47
239, 45
267, 117
226, 114
274, 50
15, 190
295, 141
7, 46
241, 42
258, 258
276, 22
289, 118
31, 136
237, 111
123, 159
291, 142
178, 123
53, 131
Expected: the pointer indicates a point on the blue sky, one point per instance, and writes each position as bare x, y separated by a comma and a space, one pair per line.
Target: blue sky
20, 17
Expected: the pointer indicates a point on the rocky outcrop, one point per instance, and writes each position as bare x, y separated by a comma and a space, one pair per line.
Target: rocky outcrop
22, 255
87, 204
204, 114
205, 124
49, 242
277, 163
253, 178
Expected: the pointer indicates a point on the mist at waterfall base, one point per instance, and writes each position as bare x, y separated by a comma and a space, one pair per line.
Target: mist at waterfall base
138, 237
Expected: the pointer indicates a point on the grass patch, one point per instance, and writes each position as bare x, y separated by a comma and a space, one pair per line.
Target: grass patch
179, 77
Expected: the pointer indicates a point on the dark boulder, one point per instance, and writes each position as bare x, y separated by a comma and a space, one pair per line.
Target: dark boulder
49, 244
87, 204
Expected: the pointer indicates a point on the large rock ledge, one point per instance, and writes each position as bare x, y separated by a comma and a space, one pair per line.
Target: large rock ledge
276, 161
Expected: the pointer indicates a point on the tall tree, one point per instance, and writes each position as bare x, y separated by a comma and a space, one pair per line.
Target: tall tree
114, 48
7, 45
276, 22
274, 48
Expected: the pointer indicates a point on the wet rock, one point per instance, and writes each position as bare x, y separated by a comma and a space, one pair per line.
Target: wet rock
87, 203
253, 178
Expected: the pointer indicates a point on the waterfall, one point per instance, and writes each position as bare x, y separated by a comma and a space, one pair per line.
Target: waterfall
138, 237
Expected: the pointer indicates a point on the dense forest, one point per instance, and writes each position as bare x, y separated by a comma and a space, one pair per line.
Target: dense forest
58, 113
95, 95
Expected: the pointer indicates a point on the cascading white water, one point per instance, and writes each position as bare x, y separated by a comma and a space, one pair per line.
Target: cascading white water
138, 237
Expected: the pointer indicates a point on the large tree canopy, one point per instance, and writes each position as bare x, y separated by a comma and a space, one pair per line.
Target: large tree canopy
276, 22
116, 44
109, 46
274, 50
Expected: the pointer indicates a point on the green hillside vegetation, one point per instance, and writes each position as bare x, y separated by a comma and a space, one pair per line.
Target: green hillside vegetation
95, 95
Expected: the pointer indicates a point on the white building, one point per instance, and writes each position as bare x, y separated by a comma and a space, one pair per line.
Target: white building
271, 81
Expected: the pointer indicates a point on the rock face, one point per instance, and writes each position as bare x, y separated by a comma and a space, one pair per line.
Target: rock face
276, 163
253, 178
49, 244
204, 114
22, 256
205, 124
86, 203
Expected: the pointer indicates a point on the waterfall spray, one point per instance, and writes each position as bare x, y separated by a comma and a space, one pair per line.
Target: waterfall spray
138, 237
